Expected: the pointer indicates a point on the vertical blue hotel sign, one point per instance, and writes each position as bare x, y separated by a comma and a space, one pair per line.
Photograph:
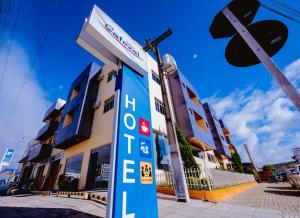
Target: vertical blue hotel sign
134, 187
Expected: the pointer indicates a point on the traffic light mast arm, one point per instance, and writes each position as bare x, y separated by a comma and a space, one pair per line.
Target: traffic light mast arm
280, 78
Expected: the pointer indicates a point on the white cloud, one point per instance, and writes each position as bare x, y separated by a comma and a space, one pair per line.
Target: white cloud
195, 56
266, 120
27, 116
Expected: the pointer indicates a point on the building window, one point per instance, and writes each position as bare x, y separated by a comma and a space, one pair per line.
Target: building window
109, 104
73, 167
75, 91
200, 121
159, 106
193, 97
111, 75
198, 154
211, 158
98, 167
201, 155
155, 77
68, 118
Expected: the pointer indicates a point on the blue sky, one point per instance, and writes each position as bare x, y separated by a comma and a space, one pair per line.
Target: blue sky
63, 59
198, 55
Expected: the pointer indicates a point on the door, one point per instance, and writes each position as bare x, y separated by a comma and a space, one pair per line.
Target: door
52, 175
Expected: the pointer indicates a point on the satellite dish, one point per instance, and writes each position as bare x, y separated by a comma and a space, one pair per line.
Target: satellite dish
244, 10
270, 34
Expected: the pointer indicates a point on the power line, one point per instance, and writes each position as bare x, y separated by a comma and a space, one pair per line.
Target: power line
34, 61
38, 39
287, 7
10, 44
282, 8
5, 13
280, 13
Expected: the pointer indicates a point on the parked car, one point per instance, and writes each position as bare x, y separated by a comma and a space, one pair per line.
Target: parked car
282, 177
7, 188
3, 186
293, 175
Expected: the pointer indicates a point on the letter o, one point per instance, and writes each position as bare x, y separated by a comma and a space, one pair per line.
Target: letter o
132, 126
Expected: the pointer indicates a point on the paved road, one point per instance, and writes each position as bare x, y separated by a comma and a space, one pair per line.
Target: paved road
48, 206
262, 201
278, 196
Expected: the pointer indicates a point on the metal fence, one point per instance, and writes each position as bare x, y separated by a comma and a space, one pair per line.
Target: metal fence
204, 179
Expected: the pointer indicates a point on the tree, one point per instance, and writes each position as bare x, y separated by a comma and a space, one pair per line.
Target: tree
267, 168
186, 151
237, 161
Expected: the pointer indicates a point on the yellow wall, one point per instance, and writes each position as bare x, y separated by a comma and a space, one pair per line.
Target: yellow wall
101, 131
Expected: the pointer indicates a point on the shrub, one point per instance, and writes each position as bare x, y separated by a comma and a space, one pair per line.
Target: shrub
186, 151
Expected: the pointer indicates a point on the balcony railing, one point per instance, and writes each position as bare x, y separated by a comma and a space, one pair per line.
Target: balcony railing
47, 131
39, 152
54, 110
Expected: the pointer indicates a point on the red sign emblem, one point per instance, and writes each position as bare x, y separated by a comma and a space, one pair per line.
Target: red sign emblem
144, 127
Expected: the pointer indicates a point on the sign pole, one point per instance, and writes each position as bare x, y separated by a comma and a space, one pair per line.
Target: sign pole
269, 64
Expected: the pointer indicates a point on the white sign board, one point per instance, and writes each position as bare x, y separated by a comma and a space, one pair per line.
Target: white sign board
8, 155
104, 39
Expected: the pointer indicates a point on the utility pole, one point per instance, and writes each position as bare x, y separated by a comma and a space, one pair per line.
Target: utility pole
176, 161
250, 157
252, 161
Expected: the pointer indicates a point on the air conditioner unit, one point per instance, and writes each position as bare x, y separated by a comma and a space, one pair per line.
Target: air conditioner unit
97, 104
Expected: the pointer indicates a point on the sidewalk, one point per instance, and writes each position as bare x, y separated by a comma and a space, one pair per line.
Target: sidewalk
173, 209
260, 201
278, 196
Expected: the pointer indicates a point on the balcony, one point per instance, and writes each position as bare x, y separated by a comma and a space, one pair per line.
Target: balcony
78, 114
54, 111
39, 152
47, 131
225, 129
24, 159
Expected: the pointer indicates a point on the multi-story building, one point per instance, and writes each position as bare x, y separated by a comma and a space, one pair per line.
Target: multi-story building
221, 136
40, 154
74, 145
73, 149
190, 115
